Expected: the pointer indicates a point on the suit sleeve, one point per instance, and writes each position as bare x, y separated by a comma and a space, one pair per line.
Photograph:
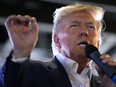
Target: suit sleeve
1, 78
10, 72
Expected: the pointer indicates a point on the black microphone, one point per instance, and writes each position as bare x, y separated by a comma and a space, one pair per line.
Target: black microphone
93, 53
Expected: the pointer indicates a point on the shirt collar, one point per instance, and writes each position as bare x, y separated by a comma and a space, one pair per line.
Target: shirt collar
68, 64
72, 66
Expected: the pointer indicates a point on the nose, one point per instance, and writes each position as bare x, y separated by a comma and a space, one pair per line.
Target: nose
83, 32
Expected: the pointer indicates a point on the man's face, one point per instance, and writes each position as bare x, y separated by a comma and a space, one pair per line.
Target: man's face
76, 31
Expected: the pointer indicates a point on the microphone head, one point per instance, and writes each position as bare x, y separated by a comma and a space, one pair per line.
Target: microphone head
89, 49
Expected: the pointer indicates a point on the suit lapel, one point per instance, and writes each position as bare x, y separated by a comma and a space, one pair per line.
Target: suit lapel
58, 74
94, 81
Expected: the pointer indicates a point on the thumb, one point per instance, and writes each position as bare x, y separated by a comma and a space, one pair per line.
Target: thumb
100, 71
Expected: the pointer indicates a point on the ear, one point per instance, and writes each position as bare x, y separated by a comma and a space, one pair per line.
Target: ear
57, 41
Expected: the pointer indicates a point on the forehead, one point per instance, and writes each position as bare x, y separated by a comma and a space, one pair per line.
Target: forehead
79, 16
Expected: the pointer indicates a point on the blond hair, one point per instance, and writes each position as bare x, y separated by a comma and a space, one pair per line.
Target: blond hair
59, 14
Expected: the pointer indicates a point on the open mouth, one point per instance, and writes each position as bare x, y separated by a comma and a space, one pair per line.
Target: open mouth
84, 43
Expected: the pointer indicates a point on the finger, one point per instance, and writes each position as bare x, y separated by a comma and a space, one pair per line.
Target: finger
21, 20
13, 20
108, 59
104, 56
100, 72
112, 63
28, 20
34, 25
9, 20
18, 20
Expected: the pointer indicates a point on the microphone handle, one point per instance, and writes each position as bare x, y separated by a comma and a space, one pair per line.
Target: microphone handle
108, 70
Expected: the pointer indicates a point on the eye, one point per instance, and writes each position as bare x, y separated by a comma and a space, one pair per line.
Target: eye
75, 25
91, 26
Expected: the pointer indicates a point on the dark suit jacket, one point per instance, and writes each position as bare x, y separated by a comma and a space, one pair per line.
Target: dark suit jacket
36, 74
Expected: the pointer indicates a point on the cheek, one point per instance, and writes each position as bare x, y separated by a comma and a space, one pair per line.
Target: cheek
66, 41
96, 41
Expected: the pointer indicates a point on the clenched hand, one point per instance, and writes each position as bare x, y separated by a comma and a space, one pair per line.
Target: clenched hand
23, 34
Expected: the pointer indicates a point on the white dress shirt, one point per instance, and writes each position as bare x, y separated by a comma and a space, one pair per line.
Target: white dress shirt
71, 67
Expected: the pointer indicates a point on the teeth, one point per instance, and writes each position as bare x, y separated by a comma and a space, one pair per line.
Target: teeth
82, 45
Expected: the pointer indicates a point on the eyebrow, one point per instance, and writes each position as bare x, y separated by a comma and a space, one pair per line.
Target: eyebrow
80, 22
74, 21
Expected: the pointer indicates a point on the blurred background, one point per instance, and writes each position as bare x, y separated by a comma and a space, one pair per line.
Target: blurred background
43, 10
